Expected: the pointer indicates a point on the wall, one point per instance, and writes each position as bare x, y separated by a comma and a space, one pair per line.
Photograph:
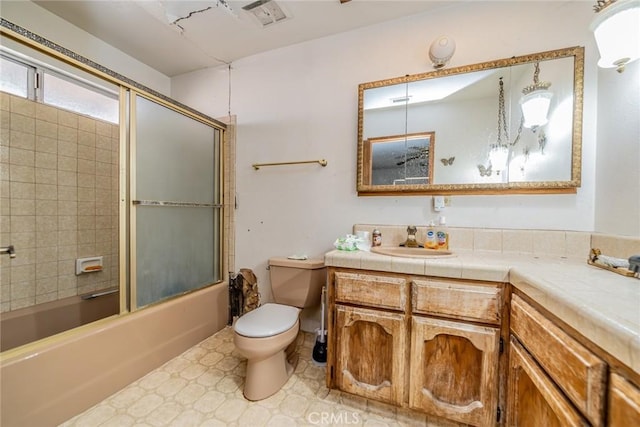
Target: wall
618, 156
300, 102
59, 202
44, 23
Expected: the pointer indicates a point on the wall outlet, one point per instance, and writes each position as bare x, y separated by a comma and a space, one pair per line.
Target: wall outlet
447, 201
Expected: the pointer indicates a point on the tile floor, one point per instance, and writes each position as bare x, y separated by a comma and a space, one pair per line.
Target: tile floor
203, 387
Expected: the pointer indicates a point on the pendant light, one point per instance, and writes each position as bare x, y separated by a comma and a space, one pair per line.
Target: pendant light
535, 102
616, 29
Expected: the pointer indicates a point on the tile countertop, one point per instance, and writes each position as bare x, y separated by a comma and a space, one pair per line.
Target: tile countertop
601, 305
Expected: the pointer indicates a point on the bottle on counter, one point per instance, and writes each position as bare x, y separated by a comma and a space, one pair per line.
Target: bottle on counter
376, 237
442, 234
432, 240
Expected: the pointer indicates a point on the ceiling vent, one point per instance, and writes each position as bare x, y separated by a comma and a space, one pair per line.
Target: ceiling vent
268, 12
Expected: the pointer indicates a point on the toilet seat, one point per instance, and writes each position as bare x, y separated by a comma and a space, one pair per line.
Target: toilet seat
267, 320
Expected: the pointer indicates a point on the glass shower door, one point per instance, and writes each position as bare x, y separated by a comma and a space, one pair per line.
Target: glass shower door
176, 203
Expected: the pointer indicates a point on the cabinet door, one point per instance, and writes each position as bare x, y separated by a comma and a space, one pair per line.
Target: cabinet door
533, 399
624, 402
454, 370
370, 353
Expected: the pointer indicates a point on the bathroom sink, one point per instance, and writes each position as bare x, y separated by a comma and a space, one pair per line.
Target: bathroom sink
411, 252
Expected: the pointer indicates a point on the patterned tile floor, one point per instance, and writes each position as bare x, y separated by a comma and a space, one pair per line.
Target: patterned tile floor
203, 387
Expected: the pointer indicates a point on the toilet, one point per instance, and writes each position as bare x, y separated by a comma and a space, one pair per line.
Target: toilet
264, 334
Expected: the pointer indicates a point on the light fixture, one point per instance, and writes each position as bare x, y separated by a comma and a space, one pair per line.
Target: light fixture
499, 152
616, 29
535, 102
441, 51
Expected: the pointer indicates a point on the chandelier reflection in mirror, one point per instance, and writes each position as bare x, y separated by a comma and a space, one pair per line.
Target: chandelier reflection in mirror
535, 101
499, 151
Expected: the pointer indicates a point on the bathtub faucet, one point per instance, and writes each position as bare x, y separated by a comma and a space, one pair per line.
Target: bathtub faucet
8, 250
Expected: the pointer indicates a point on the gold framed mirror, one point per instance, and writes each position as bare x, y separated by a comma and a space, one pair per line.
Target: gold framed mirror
487, 141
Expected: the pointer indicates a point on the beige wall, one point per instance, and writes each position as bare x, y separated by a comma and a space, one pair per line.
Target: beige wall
59, 198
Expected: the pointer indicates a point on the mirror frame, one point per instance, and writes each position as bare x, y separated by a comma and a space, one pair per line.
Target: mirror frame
533, 187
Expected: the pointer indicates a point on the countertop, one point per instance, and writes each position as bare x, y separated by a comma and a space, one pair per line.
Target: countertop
601, 305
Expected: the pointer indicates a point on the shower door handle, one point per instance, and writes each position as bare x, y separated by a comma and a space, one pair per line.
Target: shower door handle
8, 250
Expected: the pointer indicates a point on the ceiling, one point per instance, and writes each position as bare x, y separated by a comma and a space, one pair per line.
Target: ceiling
218, 32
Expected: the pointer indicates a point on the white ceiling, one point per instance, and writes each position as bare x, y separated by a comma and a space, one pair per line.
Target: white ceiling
219, 35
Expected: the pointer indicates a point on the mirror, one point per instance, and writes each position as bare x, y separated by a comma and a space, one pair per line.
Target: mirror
486, 139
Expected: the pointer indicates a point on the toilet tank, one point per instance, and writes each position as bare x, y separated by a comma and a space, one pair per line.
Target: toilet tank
297, 282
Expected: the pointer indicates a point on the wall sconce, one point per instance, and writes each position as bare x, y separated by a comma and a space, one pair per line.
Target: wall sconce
535, 101
615, 29
499, 152
441, 51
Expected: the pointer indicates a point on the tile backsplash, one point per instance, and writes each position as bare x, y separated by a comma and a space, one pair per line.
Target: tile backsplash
59, 201
568, 244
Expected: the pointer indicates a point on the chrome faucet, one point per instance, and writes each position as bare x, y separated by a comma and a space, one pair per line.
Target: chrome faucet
8, 250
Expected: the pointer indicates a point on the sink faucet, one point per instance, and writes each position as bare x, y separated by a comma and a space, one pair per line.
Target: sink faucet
8, 250
411, 241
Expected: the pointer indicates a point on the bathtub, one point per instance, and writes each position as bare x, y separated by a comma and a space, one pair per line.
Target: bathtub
52, 380
30, 324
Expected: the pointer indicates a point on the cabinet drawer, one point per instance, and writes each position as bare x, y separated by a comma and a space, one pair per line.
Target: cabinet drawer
371, 290
624, 402
468, 301
578, 372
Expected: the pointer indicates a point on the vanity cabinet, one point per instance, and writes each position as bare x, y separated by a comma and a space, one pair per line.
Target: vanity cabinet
624, 402
369, 362
412, 341
550, 371
454, 363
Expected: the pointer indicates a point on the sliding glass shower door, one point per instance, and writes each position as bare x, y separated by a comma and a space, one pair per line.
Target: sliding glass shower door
176, 212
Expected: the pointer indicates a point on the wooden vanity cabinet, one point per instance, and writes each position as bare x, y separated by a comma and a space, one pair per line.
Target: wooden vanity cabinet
534, 400
371, 338
455, 363
561, 362
428, 344
624, 402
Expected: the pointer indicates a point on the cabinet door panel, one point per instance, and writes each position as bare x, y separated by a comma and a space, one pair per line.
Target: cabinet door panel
624, 402
576, 370
370, 352
533, 400
454, 370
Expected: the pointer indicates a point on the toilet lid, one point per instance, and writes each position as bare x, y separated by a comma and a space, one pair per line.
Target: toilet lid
267, 320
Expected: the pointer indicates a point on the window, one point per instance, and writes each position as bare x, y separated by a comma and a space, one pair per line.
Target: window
74, 96
57, 88
16, 77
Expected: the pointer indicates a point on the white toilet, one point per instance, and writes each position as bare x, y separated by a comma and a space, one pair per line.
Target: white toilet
263, 335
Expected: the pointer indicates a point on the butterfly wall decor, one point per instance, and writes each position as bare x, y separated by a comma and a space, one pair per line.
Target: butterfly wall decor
484, 171
448, 162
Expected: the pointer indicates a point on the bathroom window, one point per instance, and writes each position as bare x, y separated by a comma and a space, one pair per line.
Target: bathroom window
17, 77
33, 80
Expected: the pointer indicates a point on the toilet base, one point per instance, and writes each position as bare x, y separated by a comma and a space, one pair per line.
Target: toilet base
266, 375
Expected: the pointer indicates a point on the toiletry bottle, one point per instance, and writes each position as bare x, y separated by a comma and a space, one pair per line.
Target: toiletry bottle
376, 237
442, 234
432, 240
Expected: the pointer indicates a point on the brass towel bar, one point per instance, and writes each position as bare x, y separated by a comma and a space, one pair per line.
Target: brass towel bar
322, 162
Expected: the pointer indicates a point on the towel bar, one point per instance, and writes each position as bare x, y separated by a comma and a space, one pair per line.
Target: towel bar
322, 162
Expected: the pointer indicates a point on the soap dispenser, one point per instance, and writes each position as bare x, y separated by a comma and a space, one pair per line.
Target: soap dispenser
432, 239
442, 234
